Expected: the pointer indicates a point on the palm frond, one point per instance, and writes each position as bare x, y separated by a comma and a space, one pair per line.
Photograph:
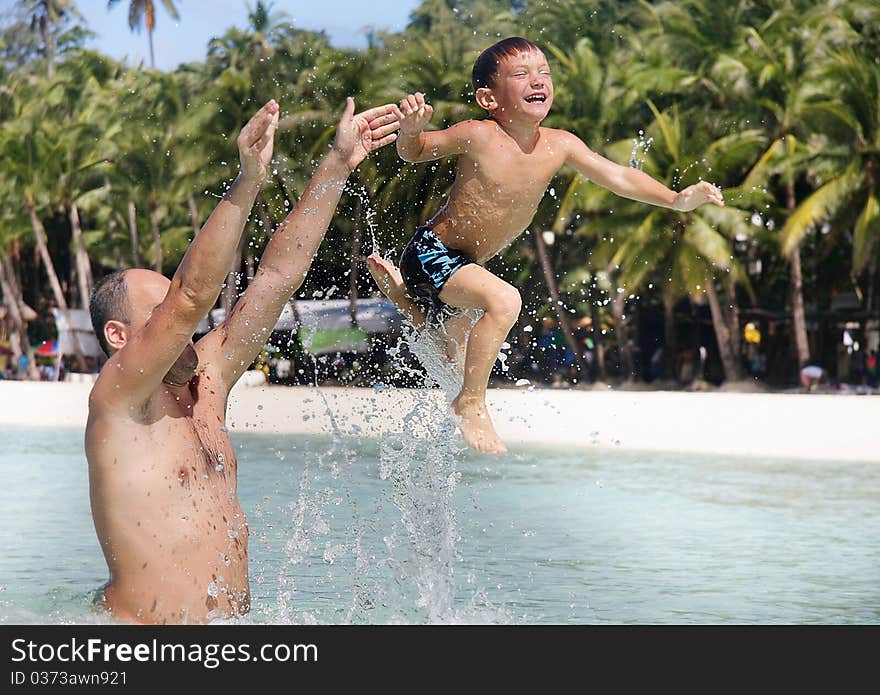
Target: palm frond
708, 242
818, 208
865, 233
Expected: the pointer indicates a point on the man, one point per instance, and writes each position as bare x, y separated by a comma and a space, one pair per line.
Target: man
162, 471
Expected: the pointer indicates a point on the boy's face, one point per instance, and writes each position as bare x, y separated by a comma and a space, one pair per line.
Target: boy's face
523, 87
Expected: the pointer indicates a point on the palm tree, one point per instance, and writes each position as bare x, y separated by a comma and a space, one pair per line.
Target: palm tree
17, 312
79, 126
847, 169
46, 16
29, 154
782, 60
637, 248
143, 12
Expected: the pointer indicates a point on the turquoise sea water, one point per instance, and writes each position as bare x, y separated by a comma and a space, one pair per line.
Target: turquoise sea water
538, 536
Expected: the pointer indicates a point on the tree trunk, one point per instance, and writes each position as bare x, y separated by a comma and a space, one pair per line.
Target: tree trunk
621, 333
83, 267
19, 342
193, 214
133, 230
49, 43
722, 334
796, 284
670, 343
355, 264
152, 56
42, 246
157, 239
733, 323
564, 324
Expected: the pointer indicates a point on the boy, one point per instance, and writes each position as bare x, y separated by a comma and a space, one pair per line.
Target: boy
505, 163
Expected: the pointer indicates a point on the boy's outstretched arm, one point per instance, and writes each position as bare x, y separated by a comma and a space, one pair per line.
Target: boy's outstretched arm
415, 144
635, 184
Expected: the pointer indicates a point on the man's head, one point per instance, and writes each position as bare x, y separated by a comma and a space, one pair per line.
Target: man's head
512, 80
122, 303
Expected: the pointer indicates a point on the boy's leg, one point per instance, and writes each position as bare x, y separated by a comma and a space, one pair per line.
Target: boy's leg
455, 333
474, 287
390, 283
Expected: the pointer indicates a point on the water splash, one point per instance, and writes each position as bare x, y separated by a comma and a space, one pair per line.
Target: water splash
641, 146
359, 191
421, 461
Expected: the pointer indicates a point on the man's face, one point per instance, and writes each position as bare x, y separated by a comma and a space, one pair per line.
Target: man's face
146, 291
523, 87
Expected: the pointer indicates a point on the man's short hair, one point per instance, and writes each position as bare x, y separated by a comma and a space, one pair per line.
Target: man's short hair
486, 66
109, 302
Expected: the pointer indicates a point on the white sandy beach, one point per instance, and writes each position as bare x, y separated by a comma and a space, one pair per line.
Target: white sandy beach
823, 427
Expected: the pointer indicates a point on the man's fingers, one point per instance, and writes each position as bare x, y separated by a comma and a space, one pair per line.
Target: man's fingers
349, 109
420, 99
384, 130
273, 125
379, 120
413, 104
387, 140
382, 121
377, 111
254, 128
265, 139
397, 112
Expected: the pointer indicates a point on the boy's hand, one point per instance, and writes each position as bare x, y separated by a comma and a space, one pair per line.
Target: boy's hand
694, 196
414, 114
255, 142
362, 133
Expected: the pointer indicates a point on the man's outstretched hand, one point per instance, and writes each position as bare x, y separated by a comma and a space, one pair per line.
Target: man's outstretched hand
694, 196
362, 133
255, 142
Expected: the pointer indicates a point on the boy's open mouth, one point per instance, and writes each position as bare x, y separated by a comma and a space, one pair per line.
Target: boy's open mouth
536, 98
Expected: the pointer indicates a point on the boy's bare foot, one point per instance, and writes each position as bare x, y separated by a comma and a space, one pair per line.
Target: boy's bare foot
390, 282
476, 426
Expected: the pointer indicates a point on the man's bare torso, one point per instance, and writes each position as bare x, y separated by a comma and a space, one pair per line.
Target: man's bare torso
498, 187
164, 499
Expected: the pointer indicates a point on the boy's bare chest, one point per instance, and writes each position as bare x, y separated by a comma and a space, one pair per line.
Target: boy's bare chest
510, 171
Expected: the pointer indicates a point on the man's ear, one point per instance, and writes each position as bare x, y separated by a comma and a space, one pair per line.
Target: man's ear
486, 99
116, 334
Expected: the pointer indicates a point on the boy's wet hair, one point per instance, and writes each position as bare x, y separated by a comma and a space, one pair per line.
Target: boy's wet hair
486, 66
109, 302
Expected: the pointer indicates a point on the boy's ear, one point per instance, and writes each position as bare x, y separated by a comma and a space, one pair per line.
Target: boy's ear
486, 99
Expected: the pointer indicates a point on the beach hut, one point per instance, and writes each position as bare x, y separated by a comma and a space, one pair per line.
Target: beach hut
80, 330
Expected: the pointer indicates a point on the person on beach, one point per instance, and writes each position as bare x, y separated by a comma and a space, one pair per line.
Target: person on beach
505, 163
811, 375
162, 470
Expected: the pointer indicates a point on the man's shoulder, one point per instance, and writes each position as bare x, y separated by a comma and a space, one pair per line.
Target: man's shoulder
109, 400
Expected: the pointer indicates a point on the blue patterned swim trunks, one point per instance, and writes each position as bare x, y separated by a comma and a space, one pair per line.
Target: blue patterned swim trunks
426, 265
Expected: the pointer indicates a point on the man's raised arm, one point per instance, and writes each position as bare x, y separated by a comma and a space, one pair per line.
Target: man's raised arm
148, 355
232, 346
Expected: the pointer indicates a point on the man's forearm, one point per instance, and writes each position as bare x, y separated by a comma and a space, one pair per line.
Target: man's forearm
207, 261
290, 251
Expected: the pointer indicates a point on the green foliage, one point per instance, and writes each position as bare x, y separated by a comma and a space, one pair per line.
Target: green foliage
777, 102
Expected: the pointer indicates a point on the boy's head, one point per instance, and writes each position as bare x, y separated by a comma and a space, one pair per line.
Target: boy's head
513, 76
